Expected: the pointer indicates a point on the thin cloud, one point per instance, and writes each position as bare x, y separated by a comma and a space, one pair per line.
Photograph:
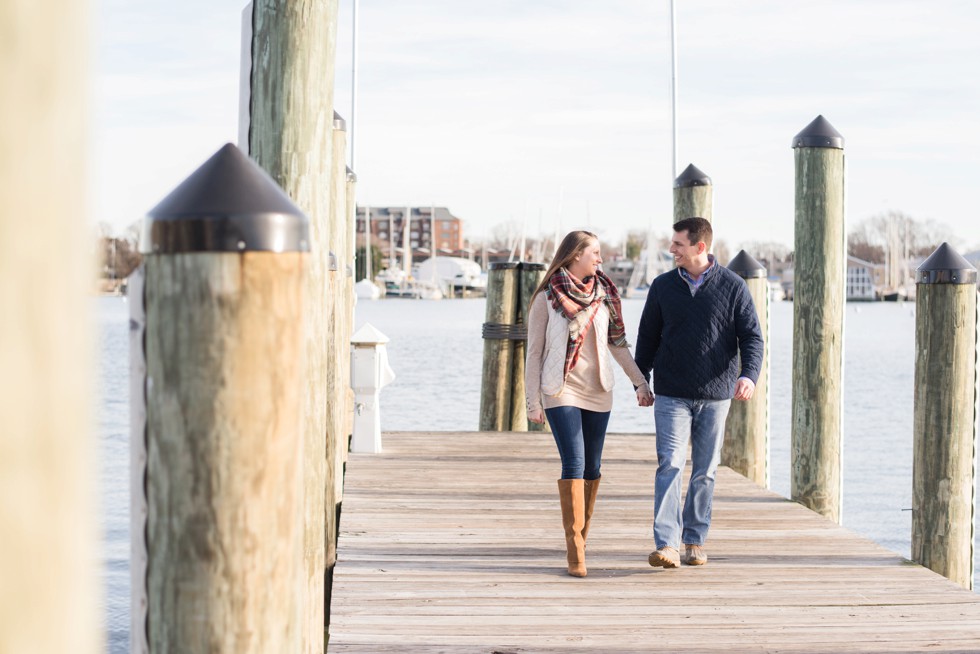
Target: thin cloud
491, 107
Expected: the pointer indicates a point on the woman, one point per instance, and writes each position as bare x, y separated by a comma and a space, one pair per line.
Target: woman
575, 321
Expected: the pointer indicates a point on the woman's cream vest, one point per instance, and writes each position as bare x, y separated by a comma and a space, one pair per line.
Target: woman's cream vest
556, 347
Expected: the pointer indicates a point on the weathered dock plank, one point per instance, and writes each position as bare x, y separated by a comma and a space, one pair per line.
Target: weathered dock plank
452, 542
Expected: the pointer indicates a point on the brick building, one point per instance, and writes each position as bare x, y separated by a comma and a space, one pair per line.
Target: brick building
388, 228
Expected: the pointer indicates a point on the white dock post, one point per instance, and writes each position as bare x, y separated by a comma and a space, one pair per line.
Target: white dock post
370, 372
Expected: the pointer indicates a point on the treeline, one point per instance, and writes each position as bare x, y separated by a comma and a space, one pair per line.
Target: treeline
891, 234
896, 235
888, 236
118, 255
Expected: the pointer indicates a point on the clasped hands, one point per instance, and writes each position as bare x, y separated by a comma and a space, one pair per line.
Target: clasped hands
644, 396
744, 389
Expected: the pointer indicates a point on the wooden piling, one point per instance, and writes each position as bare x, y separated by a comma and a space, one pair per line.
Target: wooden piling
350, 301
49, 574
291, 109
503, 288
692, 195
338, 337
818, 319
223, 467
224, 346
531, 275
746, 446
945, 439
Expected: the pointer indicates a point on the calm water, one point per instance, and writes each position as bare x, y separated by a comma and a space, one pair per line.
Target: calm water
436, 353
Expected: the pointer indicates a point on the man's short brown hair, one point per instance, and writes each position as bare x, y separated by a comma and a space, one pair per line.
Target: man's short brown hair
698, 229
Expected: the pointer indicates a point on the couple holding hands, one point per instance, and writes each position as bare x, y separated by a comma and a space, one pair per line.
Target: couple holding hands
700, 336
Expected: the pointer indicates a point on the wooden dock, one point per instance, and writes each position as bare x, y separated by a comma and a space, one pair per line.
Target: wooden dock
452, 542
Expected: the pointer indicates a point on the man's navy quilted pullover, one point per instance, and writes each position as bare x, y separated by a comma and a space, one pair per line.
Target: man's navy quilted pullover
692, 343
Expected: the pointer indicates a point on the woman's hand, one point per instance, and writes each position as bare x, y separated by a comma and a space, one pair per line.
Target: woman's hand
644, 396
536, 416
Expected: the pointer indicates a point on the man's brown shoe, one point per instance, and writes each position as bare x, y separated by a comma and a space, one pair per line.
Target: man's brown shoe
665, 557
694, 555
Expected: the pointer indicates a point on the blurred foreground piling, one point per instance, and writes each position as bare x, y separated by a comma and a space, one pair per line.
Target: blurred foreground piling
49, 526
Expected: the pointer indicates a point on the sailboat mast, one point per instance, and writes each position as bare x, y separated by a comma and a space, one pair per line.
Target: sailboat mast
353, 91
561, 193
367, 244
391, 242
523, 233
673, 94
432, 241
538, 253
407, 243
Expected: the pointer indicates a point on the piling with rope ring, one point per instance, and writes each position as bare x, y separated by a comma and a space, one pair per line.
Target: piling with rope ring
531, 276
503, 291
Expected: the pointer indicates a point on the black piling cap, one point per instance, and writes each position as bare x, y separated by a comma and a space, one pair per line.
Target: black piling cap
526, 265
746, 267
819, 134
945, 266
229, 204
504, 265
692, 176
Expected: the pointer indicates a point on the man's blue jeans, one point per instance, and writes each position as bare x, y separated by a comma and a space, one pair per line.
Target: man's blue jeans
702, 422
579, 435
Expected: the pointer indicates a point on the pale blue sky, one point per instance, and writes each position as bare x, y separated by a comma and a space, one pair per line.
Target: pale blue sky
494, 109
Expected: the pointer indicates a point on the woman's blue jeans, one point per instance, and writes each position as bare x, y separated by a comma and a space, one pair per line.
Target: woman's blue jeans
702, 422
579, 435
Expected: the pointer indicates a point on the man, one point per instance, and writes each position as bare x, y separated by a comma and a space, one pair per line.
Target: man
700, 334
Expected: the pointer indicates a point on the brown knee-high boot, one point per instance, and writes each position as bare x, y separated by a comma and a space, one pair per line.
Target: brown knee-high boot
591, 489
572, 494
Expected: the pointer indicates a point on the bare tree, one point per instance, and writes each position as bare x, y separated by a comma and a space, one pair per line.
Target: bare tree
103, 230
721, 251
503, 236
133, 233
768, 252
931, 235
118, 257
896, 234
862, 243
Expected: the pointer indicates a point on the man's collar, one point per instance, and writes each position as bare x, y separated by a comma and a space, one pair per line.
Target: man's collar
711, 265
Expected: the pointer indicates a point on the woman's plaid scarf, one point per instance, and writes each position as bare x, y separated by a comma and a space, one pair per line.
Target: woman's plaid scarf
579, 301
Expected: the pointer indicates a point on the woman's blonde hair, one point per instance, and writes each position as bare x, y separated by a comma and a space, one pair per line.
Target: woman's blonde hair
571, 246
